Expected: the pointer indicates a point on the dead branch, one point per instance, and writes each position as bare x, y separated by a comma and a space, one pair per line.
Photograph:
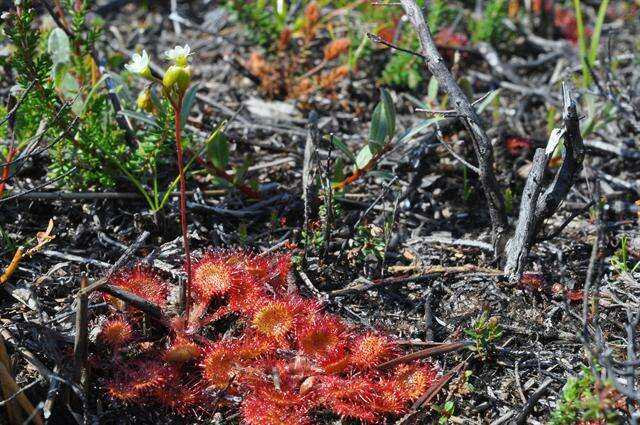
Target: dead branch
473, 123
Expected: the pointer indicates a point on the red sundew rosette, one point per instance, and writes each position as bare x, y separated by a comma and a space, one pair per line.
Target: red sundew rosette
413, 380
270, 270
182, 350
349, 397
139, 379
185, 399
218, 365
320, 335
116, 332
369, 350
278, 318
273, 394
140, 281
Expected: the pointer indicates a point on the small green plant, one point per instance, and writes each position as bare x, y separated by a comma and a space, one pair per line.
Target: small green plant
405, 70
445, 411
484, 332
585, 399
491, 27
508, 200
381, 132
588, 57
620, 259
369, 240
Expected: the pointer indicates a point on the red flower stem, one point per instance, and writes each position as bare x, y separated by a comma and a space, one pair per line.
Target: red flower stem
183, 205
6, 167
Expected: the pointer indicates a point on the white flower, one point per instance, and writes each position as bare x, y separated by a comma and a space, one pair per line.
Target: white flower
139, 64
179, 54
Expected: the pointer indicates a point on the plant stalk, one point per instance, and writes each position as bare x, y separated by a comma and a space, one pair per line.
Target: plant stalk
183, 204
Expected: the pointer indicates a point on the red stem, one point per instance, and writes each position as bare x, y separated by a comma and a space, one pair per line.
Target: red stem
6, 167
183, 205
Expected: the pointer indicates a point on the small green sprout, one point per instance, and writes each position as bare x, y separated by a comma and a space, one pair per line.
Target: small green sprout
484, 332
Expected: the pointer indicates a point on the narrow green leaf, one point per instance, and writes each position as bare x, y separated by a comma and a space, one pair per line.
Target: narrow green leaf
139, 116
383, 120
343, 148
432, 89
218, 148
597, 31
241, 171
389, 112
480, 107
187, 103
364, 157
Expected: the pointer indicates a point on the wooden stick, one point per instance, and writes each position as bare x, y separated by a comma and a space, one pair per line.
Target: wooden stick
21, 398
140, 303
11, 268
440, 349
13, 411
81, 343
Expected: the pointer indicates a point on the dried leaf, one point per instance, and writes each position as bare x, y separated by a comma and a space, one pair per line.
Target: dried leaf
336, 48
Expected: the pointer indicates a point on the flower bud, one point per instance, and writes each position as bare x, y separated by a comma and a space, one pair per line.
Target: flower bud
144, 101
177, 78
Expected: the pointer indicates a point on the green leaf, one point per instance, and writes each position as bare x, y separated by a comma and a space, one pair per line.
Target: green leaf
218, 148
343, 148
139, 116
240, 171
187, 103
58, 73
432, 90
338, 171
421, 126
58, 47
93, 91
364, 157
383, 119
480, 107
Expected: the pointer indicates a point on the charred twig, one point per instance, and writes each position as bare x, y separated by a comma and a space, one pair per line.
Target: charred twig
21, 398
427, 352
522, 416
123, 258
425, 275
481, 142
81, 343
151, 309
537, 206
308, 181
550, 200
519, 244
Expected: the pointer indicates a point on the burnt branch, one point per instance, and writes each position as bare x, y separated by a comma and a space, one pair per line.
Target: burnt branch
481, 142
550, 200
536, 206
